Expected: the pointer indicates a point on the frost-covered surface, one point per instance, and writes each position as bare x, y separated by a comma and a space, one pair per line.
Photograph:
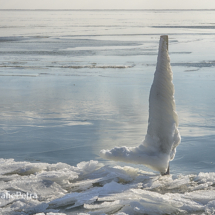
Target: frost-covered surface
162, 138
92, 188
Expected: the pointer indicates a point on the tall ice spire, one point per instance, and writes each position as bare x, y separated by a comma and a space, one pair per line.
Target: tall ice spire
162, 138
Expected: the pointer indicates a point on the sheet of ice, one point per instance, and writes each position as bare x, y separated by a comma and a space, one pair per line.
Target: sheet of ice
162, 138
93, 188
34, 56
96, 74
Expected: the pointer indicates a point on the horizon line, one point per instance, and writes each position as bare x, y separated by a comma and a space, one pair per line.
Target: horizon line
105, 9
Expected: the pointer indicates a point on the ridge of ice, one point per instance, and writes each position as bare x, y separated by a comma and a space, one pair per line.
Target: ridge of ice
92, 188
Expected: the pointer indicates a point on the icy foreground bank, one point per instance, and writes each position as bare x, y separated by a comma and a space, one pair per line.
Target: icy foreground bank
92, 188
162, 138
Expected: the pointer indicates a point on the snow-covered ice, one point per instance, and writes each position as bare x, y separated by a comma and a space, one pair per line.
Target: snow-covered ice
162, 138
94, 188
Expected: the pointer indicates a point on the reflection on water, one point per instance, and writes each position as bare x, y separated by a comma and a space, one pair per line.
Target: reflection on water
61, 117
69, 119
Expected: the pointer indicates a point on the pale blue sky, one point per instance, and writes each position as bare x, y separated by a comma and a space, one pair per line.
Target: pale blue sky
107, 4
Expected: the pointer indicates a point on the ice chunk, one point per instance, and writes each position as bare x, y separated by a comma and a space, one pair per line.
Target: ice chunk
51, 213
87, 167
89, 196
210, 207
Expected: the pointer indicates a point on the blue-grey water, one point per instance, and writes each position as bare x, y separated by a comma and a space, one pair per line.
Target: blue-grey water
73, 82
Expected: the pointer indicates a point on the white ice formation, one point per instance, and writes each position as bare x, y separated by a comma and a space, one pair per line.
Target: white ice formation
162, 138
91, 188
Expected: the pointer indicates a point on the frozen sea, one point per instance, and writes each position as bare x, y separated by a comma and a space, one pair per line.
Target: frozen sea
73, 82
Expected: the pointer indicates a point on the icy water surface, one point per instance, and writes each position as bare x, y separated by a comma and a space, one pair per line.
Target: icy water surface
75, 82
